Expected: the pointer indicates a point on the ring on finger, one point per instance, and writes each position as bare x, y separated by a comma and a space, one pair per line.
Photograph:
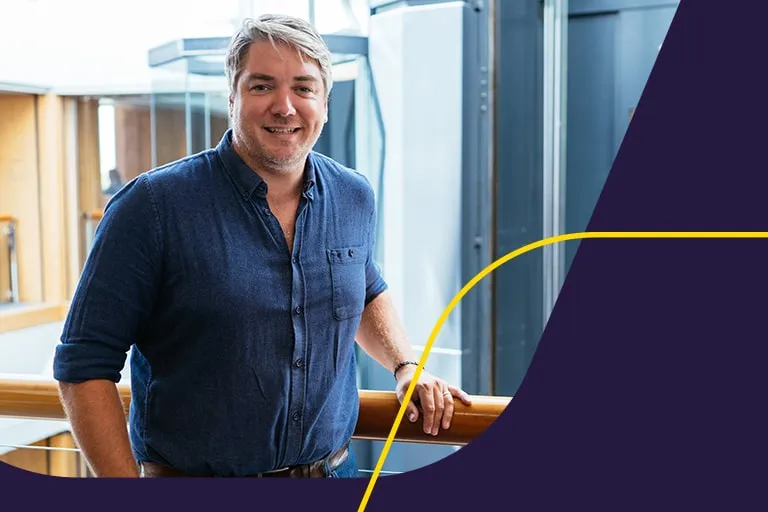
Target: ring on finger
447, 392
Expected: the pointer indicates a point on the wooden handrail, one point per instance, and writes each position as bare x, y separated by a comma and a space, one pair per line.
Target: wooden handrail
5, 217
378, 410
38, 398
94, 214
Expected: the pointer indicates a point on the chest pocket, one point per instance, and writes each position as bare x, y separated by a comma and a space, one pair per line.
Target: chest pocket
348, 281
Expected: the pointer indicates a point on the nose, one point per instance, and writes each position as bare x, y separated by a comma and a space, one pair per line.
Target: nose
282, 105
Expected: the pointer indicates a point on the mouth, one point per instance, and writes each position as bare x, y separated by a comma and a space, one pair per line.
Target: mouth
282, 131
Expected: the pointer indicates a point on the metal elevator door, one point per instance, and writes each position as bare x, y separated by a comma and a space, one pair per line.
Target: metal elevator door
610, 57
612, 46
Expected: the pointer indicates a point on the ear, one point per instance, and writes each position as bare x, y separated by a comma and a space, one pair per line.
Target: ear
231, 104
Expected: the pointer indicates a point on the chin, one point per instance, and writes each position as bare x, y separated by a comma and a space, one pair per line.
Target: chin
282, 160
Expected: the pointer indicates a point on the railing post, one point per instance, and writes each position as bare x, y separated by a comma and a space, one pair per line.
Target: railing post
10, 234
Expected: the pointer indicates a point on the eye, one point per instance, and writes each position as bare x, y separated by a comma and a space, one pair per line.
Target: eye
258, 87
305, 90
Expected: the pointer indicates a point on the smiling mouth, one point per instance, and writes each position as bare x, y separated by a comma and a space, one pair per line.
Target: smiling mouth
282, 131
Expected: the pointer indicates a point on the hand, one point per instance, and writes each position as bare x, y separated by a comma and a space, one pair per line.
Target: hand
435, 397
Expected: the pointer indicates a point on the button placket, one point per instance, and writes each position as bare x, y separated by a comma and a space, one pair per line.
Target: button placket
299, 362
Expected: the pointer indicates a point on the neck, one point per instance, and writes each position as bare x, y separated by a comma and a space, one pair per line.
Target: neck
281, 183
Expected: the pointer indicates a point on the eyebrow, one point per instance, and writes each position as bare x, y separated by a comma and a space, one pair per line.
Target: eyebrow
269, 78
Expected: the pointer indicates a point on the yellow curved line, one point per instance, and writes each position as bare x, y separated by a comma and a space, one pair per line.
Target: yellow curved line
493, 266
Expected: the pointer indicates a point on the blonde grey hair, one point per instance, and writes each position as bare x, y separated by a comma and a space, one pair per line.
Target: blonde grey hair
278, 29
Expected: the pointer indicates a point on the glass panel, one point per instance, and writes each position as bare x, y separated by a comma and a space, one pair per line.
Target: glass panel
53, 452
340, 17
218, 120
169, 113
199, 125
111, 181
133, 142
189, 105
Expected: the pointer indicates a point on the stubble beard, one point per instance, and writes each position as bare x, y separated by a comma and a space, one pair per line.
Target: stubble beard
267, 160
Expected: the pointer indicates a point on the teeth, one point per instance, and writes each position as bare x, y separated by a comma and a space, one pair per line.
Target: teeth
281, 130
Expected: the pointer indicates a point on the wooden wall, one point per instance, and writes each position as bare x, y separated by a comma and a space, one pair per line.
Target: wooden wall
171, 132
52, 197
35, 189
219, 125
133, 140
50, 178
88, 155
19, 187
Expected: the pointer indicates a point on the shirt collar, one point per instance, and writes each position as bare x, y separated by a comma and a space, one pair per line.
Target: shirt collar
246, 180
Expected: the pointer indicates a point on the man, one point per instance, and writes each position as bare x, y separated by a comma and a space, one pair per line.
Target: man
242, 277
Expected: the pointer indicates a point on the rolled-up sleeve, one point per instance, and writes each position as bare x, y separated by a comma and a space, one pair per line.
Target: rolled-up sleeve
374, 281
117, 288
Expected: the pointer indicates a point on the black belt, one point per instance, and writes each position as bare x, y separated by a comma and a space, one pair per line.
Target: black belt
315, 469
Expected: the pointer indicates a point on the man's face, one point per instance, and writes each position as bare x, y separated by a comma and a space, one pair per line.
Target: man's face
278, 107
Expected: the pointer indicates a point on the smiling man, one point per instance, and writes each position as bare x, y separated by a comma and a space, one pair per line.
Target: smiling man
241, 277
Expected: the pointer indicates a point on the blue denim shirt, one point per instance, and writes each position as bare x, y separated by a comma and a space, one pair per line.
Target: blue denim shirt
243, 354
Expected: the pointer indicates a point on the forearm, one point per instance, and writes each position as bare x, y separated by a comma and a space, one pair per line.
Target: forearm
381, 334
95, 411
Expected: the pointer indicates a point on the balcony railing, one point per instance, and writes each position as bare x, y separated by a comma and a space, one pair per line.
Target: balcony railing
9, 270
38, 398
32, 397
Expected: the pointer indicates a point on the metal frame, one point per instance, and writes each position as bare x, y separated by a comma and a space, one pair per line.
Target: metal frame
19, 88
580, 7
194, 48
477, 197
518, 189
555, 63
379, 6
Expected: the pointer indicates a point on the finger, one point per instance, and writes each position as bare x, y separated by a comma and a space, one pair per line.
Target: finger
427, 408
449, 407
412, 412
439, 408
464, 397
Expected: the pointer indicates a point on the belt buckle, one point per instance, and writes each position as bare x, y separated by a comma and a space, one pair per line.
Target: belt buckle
320, 468
274, 472
337, 458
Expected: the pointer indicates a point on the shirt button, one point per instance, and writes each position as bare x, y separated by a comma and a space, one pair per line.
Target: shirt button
351, 252
296, 416
267, 212
295, 260
298, 310
299, 363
